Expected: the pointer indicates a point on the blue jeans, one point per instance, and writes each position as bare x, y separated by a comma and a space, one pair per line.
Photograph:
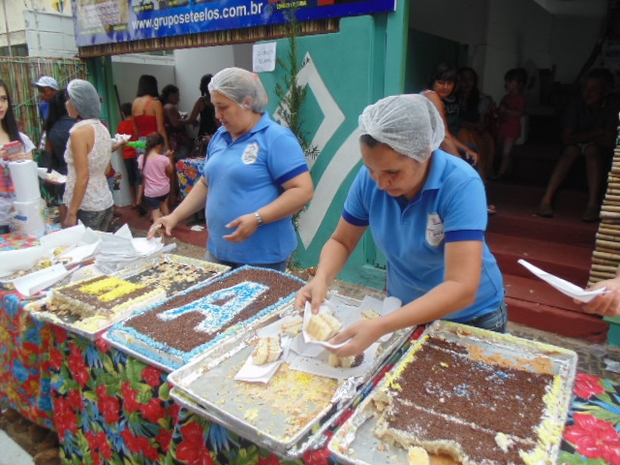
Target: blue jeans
496, 320
281, 266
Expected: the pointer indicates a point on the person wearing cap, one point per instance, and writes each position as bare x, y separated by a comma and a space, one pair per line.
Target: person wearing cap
427, 213
255, 178
48, 86
87, 197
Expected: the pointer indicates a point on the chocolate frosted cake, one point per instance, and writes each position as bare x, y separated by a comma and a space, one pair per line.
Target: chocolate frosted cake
187, 324
104, 296
452, 401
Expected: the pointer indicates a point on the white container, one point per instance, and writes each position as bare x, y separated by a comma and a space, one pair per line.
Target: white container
28, 219
25, 178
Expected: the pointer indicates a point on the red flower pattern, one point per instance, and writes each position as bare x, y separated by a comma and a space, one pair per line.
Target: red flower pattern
152, 376
271, 459
587, 386
193, 449
594, 438
153, 411
130, 404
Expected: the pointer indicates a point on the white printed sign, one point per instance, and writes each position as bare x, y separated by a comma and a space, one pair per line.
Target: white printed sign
264, 57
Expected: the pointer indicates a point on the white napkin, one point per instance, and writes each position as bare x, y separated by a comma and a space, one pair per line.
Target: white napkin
563, 286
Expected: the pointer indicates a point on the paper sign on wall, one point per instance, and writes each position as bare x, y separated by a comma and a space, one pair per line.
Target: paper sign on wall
264, 57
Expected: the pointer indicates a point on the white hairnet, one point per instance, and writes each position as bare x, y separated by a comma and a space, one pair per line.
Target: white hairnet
85, 99
410, 124
237, 84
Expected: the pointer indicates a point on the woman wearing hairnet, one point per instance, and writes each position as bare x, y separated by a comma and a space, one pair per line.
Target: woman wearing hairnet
255, 178
87, 196
427, 213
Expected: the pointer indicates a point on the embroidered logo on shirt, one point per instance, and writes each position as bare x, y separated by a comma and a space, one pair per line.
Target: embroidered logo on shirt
434, 230
250, 154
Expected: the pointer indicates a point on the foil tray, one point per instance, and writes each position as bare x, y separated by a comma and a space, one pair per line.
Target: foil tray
96, 325
355, 442
207, 385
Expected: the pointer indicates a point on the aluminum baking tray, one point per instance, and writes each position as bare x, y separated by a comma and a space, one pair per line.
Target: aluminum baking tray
93, 327
355, 442
263, 414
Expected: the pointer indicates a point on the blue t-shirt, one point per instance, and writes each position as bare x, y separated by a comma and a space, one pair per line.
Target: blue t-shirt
450, 207
243, 176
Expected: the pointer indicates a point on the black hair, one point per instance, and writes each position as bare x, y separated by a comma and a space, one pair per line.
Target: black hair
57, 109
9, 123
368, 140
204, 84
516, 74
126, 109
167, 91
152, 140
604, 75
147, 85
474, 95
442, 72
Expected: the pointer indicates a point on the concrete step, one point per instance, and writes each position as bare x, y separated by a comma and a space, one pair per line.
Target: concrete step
564, 321
570, 262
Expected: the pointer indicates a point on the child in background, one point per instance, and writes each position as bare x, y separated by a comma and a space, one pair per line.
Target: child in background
510, 111
156, 173
134, 177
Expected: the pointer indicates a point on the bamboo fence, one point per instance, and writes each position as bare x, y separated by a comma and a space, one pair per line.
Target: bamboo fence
606, 255
20, 72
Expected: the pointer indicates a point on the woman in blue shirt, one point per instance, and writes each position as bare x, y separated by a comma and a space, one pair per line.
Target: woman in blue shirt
255, 178
427, 213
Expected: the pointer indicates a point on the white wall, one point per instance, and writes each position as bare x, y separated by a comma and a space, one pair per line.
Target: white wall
50, 34
193, 63
127, 69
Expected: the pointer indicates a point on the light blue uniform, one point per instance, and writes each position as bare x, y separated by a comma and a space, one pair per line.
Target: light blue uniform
244, 176
450, 207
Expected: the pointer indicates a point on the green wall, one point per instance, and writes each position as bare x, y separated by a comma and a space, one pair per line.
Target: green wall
345, 72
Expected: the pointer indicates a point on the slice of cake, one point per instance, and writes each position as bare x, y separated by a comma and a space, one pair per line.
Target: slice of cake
345, 362
103, 296
323, 326
267, 350
450, 400
187, 324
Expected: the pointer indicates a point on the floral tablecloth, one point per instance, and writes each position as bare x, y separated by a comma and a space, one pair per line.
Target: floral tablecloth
109, 408
25, 347
189, 171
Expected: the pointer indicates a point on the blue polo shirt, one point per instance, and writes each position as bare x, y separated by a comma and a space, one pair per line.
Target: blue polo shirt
243, 176
451, 206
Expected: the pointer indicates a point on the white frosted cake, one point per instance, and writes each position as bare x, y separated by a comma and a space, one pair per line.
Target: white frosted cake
182, 327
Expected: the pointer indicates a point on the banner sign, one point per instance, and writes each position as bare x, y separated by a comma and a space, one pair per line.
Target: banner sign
110, 21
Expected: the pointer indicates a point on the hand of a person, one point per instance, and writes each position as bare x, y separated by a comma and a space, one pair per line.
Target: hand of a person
14, 156
70, 220
244, 227
314, 292
471, 157
166, 222
362, 334
607, 304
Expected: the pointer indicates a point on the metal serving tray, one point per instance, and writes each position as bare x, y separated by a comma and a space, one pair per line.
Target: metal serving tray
355, 441
208, 384
93, 327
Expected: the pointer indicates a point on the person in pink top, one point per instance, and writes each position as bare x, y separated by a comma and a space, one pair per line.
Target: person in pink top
156, 166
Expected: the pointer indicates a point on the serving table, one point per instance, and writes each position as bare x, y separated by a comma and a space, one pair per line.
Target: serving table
109, 407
